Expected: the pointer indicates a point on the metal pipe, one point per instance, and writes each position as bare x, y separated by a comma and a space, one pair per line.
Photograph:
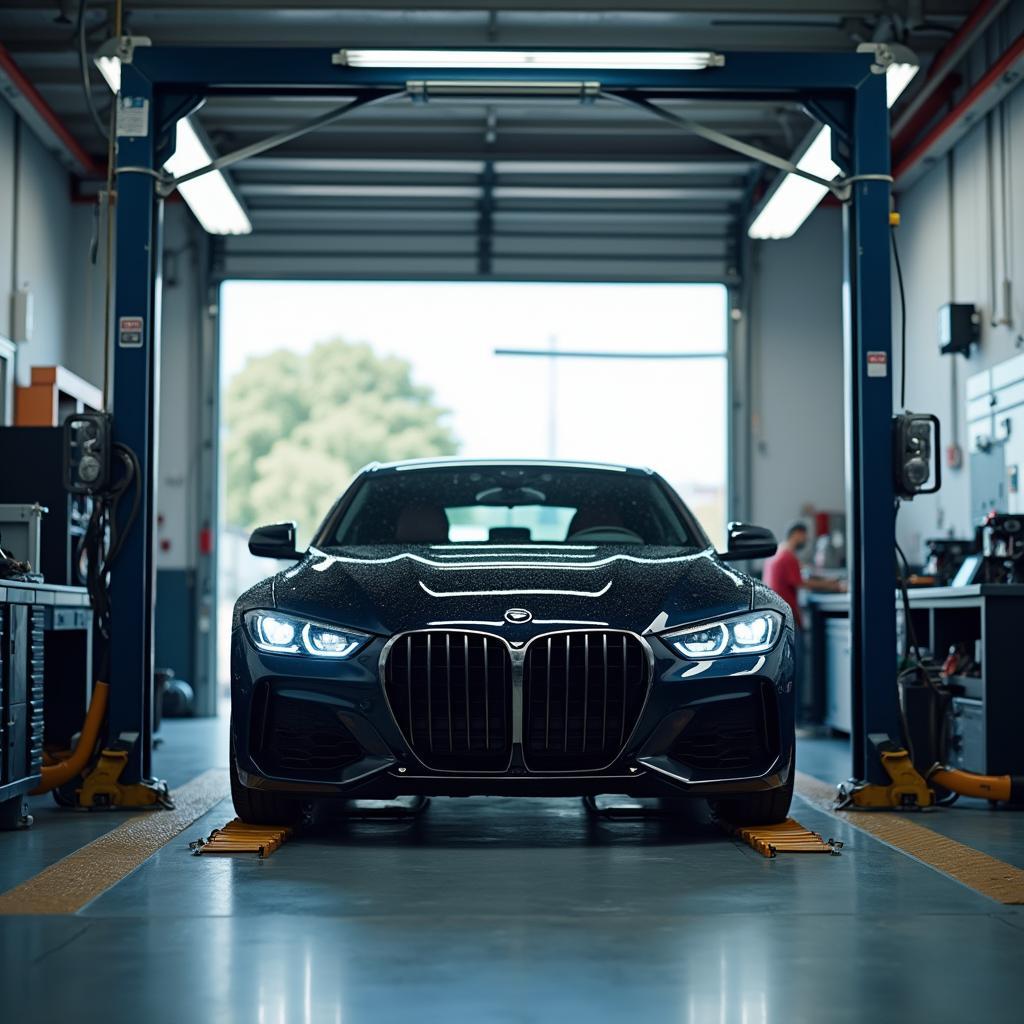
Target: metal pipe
950, 55
45, 117
956, 115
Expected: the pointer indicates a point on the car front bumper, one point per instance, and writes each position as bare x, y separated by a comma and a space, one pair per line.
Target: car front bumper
717, 728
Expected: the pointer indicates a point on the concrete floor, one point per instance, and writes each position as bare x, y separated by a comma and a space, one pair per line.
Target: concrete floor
516, 910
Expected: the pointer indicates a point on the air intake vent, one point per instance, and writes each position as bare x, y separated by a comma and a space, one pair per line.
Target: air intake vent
297, 737
731, 737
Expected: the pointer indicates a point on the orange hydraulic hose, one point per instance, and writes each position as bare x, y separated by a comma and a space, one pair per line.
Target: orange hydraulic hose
64, 771
987, 787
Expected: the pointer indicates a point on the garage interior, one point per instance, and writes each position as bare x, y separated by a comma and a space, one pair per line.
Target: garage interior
895, 293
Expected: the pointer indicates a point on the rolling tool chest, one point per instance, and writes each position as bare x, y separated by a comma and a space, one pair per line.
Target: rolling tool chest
33, 619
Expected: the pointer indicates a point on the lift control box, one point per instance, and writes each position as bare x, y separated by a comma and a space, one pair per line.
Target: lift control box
87, 451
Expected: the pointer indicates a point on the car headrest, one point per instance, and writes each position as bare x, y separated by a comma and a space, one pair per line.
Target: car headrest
587, 518
422, 524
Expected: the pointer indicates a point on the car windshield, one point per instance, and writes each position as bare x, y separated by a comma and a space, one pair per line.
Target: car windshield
509, 505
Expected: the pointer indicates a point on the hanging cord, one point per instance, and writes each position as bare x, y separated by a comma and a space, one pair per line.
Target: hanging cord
104, 538
903, 319
83, 67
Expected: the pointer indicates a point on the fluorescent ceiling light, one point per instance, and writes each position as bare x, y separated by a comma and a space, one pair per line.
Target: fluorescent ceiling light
897, 78
209, 196
796, 198
792, 202
110, 69
665, 60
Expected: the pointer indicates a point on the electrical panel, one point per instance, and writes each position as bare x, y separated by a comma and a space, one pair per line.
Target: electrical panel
959, 328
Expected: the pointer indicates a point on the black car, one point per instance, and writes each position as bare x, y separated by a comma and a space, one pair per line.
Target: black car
511, 628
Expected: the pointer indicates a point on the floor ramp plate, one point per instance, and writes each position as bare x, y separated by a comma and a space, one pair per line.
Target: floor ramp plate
237, 837
789, 837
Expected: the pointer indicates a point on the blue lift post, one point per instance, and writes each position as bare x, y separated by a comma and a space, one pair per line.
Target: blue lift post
840, 88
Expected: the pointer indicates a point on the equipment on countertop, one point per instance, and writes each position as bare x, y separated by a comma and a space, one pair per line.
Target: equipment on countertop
31, 458
1002, 545
945, 556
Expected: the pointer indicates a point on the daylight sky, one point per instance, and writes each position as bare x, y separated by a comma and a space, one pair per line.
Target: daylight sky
668, 414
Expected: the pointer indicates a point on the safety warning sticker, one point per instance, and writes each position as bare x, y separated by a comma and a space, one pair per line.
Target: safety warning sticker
129, 332
132, 117
878, 364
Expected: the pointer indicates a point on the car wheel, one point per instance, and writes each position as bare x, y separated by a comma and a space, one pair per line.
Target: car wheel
260, 807
770, 807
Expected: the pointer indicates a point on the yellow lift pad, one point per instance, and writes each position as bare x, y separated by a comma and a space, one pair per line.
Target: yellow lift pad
789, 837
237, 837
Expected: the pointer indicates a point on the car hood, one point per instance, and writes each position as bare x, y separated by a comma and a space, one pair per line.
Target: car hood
387, 590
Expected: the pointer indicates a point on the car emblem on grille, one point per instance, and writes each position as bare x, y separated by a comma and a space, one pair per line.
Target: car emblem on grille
518, 615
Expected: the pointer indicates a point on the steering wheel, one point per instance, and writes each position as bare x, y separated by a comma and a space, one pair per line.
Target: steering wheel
608, 534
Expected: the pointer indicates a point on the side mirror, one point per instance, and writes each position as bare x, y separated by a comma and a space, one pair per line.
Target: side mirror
274, 541
747, 541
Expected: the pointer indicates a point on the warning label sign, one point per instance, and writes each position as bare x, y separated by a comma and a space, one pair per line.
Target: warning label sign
878, 364
129, 332
132, 117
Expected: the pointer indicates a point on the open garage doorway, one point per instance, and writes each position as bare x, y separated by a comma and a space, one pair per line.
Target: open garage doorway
317, 379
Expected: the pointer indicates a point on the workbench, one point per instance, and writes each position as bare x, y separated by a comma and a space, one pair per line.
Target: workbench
45, 681
989, 618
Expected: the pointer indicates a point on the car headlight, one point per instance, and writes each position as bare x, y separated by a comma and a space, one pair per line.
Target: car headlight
278, 633
745, 634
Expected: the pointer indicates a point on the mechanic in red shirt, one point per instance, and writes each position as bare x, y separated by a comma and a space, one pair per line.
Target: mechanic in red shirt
782, 572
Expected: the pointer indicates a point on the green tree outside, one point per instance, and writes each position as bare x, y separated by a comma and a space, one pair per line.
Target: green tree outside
299, 426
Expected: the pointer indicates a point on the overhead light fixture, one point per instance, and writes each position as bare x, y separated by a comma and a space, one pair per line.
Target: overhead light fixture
659, 60
796, 198
108, 58
110, 69
209, 196
792, 202
897, 78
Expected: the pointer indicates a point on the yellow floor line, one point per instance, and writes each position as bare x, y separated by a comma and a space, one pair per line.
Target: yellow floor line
71, 883
978, 871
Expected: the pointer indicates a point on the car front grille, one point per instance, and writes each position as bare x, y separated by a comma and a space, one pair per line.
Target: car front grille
451, 695
302, 737
731, 736
582, 696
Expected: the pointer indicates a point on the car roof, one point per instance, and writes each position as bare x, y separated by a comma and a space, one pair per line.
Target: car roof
456, 462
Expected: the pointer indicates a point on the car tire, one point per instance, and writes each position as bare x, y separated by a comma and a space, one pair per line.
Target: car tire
769, 807
261, 807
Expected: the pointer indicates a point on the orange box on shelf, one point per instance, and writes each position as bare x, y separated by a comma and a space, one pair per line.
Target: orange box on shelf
54, 393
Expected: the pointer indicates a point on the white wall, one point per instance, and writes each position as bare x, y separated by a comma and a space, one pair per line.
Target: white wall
35, 241
946, 239
796, 353
180, 391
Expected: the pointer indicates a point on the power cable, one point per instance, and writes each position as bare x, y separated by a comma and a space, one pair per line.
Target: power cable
903, 320
83, 68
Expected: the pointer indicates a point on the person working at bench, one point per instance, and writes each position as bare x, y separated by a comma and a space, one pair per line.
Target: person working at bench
783, 573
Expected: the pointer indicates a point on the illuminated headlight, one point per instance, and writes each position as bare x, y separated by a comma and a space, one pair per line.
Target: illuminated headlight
746, 634
277, 633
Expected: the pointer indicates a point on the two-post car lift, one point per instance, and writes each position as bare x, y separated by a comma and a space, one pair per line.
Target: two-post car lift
159, 85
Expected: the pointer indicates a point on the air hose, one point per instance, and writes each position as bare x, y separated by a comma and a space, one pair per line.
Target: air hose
1009, 788
64, 771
